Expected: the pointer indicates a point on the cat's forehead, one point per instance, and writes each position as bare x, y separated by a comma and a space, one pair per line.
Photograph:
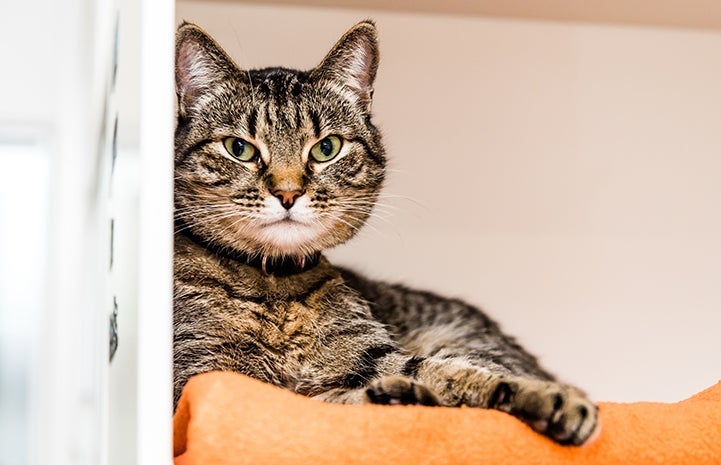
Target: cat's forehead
272, 109
279, 102
277, 83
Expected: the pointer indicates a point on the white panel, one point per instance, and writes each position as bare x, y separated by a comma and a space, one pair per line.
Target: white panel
75, 342
125, 204
156, 238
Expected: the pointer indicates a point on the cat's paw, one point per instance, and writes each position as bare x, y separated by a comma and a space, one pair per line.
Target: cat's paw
400, 390
560, 412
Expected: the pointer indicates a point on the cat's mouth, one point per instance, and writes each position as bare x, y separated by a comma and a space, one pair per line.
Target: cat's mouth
287, 235
289, 222
289, 218
285, 221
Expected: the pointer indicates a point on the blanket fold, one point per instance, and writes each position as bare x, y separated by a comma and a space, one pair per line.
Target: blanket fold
227, 418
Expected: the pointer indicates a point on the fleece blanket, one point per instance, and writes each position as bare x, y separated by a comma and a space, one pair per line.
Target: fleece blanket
227, 418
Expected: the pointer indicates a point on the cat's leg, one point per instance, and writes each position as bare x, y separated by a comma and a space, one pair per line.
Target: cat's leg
197, 352
464, 357
556, 410
387, 390
427, 325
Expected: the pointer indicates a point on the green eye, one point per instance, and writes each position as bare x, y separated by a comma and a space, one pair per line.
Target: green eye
326, 149
240, 149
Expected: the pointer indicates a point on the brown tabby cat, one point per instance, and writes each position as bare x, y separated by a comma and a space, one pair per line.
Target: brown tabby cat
273, 166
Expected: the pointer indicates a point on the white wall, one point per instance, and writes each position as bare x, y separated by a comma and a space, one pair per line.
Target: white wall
563, 176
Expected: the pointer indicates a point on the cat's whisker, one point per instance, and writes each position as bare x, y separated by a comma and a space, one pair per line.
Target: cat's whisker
358, 227
187, 226
231, 226
345, 222
373, 208
206, 216
402, 197
367, 213
205, 213
203, 208
375, 215
373, 203
366, 207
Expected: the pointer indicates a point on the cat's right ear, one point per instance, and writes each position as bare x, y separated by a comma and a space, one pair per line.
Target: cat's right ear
200, 64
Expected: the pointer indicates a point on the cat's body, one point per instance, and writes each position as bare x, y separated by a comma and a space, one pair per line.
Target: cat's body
275, 165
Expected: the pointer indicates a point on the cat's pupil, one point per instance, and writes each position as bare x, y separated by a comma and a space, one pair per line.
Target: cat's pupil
326, 146
238, 147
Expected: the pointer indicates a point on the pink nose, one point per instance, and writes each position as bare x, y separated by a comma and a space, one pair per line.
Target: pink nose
287, 198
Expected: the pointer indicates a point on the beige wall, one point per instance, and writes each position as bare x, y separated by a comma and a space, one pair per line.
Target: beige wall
565, 177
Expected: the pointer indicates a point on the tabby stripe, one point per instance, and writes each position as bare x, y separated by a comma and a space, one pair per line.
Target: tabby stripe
366, 367
435, 352
216, 183
210, 165
378, 159
197, 294
252, 121
210, 281
308, 293
238, 347
353, 331
260, 314
411, 366
185, 337
278, 91
353, 170
298, 117
263, 87
316, 123
193, 148
268, 119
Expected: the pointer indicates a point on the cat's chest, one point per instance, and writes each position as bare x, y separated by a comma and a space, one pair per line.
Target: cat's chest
284, 326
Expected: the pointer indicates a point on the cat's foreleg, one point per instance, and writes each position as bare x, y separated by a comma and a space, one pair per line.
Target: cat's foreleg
556, 410
561, 412
387, 390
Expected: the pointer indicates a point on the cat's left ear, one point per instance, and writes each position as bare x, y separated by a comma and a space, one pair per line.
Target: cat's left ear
353, 62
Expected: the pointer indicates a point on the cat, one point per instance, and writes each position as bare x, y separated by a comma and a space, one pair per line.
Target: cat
273, 166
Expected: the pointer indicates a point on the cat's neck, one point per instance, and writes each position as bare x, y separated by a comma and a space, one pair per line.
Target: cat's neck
279, 266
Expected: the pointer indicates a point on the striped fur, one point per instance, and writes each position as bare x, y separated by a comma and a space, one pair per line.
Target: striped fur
325, 332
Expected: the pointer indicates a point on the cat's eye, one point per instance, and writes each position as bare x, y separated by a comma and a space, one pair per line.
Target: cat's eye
326, 149
240, 149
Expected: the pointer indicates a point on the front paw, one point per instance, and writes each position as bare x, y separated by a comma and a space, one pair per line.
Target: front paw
560, 412
400, 390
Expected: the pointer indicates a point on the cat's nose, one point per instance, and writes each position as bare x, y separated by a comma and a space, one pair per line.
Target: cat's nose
287, 198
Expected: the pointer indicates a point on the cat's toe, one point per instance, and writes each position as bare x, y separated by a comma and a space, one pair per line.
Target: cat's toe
400, 390
568, 417
562, 413
574, 419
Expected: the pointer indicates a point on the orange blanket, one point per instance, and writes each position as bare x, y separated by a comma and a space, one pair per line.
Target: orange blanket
227, 418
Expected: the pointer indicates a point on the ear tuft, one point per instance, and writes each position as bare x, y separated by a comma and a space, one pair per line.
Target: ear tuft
353, 61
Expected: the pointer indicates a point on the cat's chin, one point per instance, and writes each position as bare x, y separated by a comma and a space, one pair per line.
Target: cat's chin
288, 237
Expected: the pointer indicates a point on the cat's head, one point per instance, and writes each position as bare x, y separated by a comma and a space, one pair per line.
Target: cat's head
276, 161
